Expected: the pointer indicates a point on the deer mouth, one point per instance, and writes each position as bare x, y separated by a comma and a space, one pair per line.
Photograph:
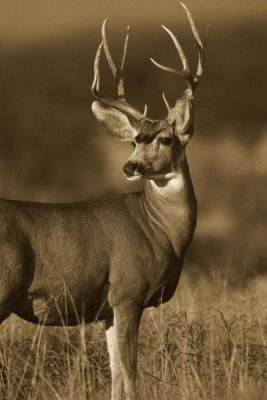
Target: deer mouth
134, 178
162, 177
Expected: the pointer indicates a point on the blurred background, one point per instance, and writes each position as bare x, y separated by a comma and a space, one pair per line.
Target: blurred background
52, 150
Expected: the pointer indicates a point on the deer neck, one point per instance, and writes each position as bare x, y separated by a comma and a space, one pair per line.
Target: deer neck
170, 207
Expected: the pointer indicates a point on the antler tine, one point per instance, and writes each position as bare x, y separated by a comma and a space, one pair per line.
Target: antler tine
168, 69
96, 82
166, 102
200, 45
185, 72
120, 103
117, 72
179, 49
121, 93
125, 47
106, 48
145, 111
193, 26
201, 61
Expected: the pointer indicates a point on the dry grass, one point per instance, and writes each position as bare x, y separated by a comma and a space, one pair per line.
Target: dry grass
209, 342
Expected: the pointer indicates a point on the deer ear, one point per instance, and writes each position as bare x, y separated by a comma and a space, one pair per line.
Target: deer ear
183, 116
115, 122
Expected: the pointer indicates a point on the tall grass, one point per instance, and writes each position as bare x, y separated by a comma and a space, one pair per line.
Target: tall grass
209, 342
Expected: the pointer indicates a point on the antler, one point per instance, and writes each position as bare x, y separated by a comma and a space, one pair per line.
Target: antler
120, 103
185, 73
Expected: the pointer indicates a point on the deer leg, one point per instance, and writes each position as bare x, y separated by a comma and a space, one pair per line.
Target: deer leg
126, 324
116, 375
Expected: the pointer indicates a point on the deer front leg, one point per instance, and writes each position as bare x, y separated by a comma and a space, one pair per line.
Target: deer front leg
126, 324
116, 375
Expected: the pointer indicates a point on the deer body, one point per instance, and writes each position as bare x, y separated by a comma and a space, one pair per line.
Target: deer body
54, 245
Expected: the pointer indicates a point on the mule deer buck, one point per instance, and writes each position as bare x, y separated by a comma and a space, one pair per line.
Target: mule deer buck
109, 258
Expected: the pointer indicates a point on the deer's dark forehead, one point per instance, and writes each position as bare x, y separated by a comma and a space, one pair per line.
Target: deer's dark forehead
150, 128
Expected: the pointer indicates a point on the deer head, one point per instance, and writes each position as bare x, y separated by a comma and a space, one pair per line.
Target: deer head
158, 144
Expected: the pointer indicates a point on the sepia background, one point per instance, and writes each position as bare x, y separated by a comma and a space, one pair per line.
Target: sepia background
52, 150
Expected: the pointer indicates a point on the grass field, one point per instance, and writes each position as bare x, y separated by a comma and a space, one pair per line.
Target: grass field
209, 342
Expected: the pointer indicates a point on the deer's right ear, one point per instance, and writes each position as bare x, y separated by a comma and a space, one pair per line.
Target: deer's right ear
115, 122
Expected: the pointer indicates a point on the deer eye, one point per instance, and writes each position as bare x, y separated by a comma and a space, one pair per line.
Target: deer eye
133, 144
166, 141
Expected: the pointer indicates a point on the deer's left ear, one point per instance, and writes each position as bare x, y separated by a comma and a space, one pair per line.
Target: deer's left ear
115, 122
182, 116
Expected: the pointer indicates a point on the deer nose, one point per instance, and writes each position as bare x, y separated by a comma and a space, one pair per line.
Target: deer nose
130, 168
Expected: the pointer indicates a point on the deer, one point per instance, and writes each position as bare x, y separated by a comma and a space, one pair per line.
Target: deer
107, 259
